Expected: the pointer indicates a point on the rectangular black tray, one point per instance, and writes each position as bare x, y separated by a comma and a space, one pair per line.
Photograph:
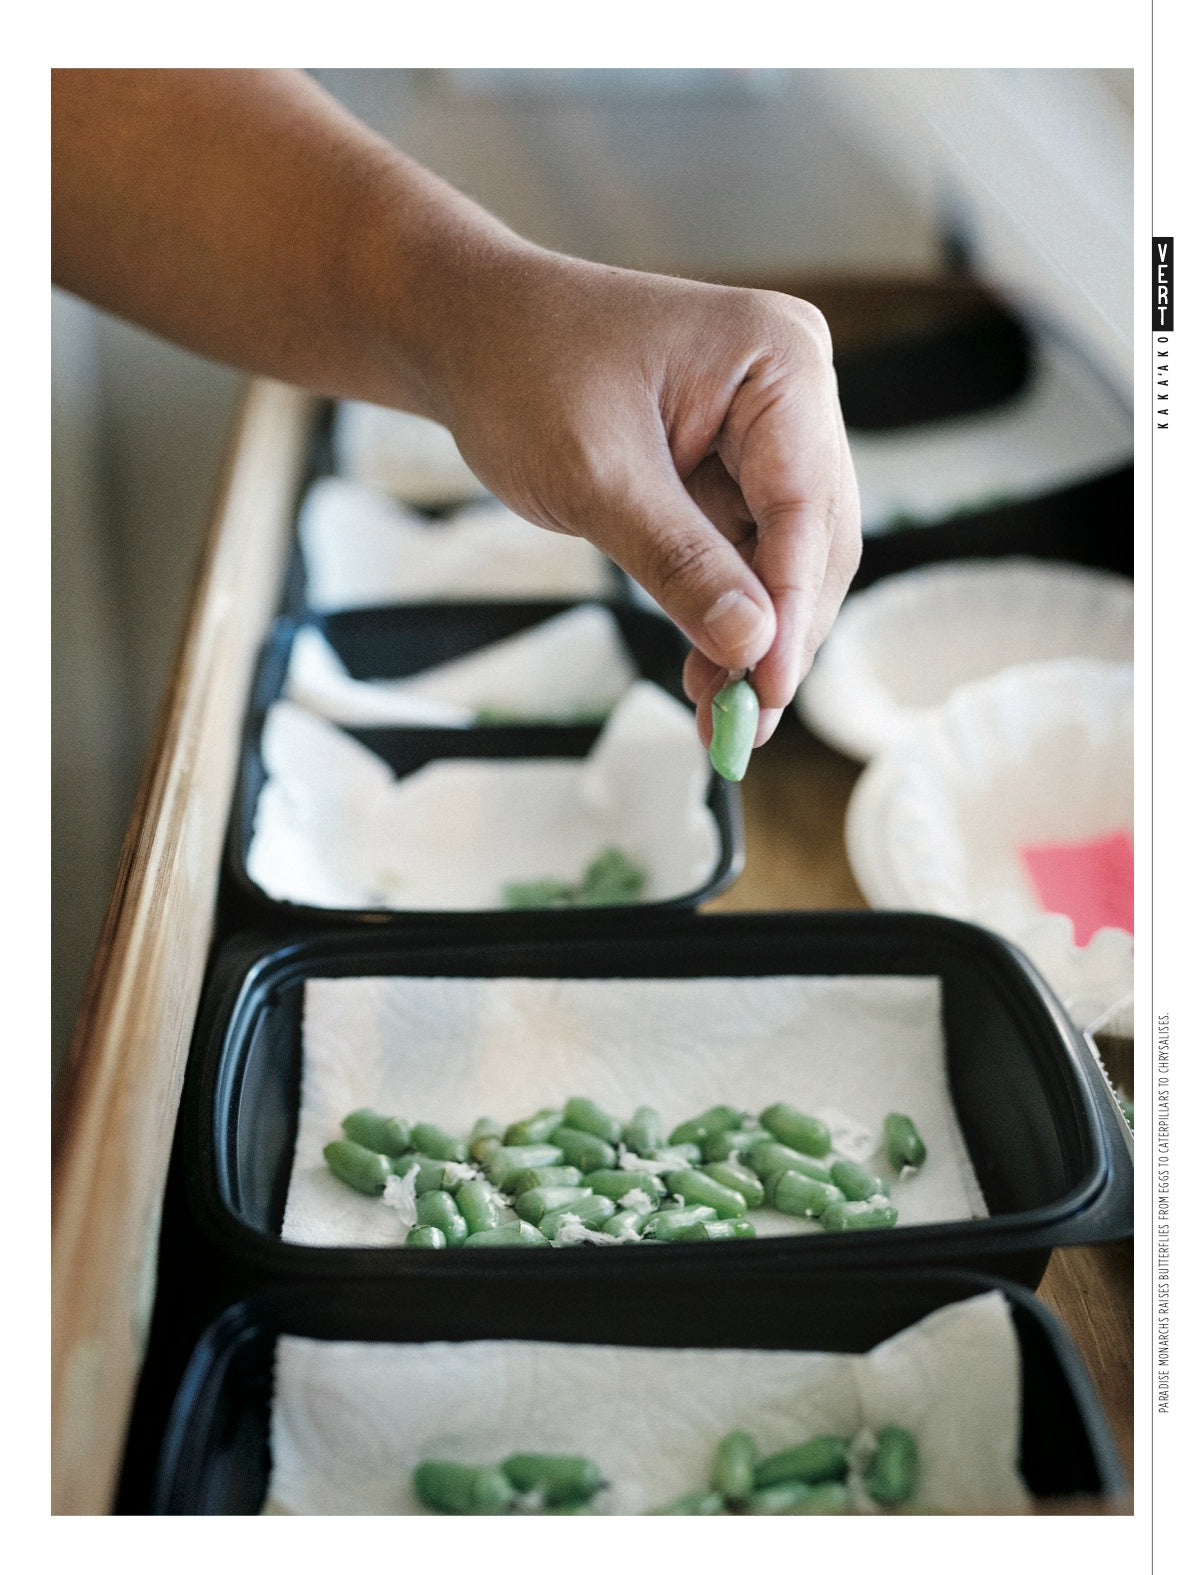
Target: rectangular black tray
1089, 522
215, 1451
966, 366
395, 642
1027, 1094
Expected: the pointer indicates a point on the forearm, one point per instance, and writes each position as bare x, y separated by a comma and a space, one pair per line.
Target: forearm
245, 215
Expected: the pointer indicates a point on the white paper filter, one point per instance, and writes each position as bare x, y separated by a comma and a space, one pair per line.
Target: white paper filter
450, 1050
352, 1421
1040, 753
1062, 429
361, 548
576, 661
334, 828
901, 647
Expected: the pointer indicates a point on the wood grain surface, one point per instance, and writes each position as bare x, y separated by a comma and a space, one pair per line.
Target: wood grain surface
116, 1114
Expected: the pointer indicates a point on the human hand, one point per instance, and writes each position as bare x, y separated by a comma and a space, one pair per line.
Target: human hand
690, 431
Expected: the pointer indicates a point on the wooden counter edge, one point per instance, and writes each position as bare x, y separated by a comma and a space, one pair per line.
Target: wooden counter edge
115, 1118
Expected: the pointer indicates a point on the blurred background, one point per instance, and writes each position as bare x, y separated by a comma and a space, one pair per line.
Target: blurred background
1020, 179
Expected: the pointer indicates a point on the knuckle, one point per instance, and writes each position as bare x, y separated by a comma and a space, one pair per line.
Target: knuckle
783, 333
677, 560
778, 514
813, 321
790, 317
801, 515
828, 516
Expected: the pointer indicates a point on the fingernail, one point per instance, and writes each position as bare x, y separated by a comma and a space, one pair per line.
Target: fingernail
735, 622
768, 721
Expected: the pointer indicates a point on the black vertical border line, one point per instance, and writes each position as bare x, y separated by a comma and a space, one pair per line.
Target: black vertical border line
1150, 1387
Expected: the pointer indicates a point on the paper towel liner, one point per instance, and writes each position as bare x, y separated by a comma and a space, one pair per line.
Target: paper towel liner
1065, 427
414, 459
901, 647
362, 549
576, 661
1038, 753
334, 828
449, 1050
352, 1420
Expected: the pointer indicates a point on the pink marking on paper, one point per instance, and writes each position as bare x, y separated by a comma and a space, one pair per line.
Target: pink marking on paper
1091, 882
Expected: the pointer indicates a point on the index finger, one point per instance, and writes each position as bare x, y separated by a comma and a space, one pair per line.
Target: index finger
793, 467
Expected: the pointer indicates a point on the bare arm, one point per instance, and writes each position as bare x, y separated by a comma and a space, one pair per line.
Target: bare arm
690, 431
246, 215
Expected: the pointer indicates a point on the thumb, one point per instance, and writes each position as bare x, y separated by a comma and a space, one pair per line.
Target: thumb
650, 526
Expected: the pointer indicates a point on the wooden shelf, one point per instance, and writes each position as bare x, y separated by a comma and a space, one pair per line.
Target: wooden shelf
116, 1115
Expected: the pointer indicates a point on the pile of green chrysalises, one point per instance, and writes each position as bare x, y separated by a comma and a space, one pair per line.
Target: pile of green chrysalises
827, 1474
610, 880
578, 1174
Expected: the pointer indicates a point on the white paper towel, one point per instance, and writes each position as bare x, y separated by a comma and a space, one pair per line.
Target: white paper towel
450, 1050
352, 1420
334, 828
361, 548
574, 662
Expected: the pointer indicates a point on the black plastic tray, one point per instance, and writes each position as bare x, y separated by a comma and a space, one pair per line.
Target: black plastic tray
971, 364
1043, 1141
395, 642
1090, 522
963, 367
215, 1455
